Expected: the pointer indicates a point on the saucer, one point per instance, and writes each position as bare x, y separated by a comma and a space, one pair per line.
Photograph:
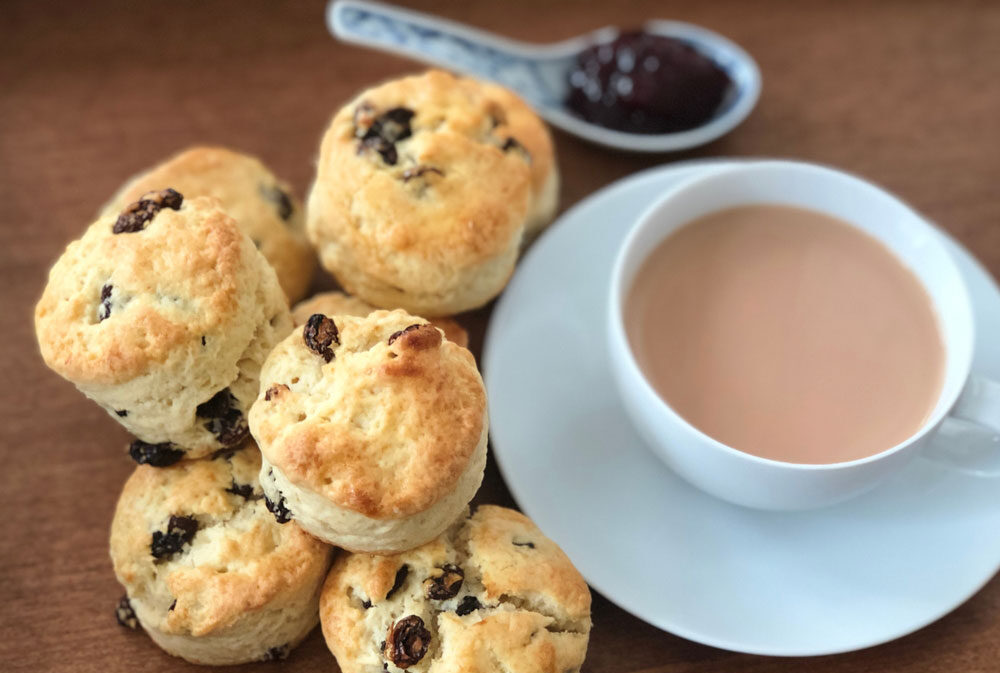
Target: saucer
779, 583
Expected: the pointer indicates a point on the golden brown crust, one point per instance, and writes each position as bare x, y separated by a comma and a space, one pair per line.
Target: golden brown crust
381, 429
239, 561
338, 303
263, 205
526, 608
433, 223
523, 125
181, 277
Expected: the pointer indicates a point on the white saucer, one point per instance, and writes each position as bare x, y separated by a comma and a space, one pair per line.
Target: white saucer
806, 583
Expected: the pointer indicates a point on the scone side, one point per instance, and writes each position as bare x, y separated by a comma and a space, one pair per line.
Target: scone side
365, 595
356, 532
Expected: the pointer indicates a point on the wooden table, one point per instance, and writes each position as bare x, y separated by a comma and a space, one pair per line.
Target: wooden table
904, 93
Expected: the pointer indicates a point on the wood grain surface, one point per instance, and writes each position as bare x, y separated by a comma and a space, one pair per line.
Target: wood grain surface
904, 93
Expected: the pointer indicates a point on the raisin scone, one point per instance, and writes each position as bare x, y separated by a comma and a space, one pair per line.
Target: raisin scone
338, 303
425, 188
373, 430
490, 594
209, 573
261, 204
163, 315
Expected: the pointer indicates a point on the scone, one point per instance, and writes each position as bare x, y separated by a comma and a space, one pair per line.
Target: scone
208, 572
425, 188
261, 204
373, 430
163, 315
338, 303
491, 594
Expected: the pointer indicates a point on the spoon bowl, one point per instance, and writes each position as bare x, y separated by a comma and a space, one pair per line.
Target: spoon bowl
539, 72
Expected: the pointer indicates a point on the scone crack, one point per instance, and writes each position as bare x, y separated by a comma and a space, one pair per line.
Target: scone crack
419, 171
401, 574
420, 177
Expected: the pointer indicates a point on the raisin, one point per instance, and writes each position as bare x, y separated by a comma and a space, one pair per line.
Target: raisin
396, 335
226, 421
121, 413
281, 200
225, 454
420, 171
530, 545
157, 455
180, 531
172, 606
383, 131
401, 574
320, 333
386, 149
467, 605
104, 308
218, 405
281, 513
445, 583
366, 604
277, 653
203, 341
243, 490
136, 215
274, 391
511, 144
407, 641
125, 615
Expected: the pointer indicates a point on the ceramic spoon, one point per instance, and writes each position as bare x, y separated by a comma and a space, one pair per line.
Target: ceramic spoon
538, 72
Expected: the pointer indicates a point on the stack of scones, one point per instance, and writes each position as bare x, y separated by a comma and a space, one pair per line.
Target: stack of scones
317, 464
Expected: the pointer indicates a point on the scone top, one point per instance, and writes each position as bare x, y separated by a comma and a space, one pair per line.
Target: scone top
379, 415
156, 282
197, 549
261, 203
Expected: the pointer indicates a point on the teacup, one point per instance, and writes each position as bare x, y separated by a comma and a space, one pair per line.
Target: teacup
751, 480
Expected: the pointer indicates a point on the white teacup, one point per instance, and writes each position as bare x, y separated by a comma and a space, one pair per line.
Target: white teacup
750, 480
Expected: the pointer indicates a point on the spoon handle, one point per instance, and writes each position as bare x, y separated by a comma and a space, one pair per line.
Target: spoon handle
442, 43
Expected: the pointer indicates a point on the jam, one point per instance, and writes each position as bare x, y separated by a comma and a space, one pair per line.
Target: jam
645, 83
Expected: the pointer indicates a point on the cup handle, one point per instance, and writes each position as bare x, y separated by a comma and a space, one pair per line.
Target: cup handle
969, 438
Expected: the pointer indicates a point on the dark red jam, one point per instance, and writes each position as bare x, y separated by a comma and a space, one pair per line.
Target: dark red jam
644, 83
